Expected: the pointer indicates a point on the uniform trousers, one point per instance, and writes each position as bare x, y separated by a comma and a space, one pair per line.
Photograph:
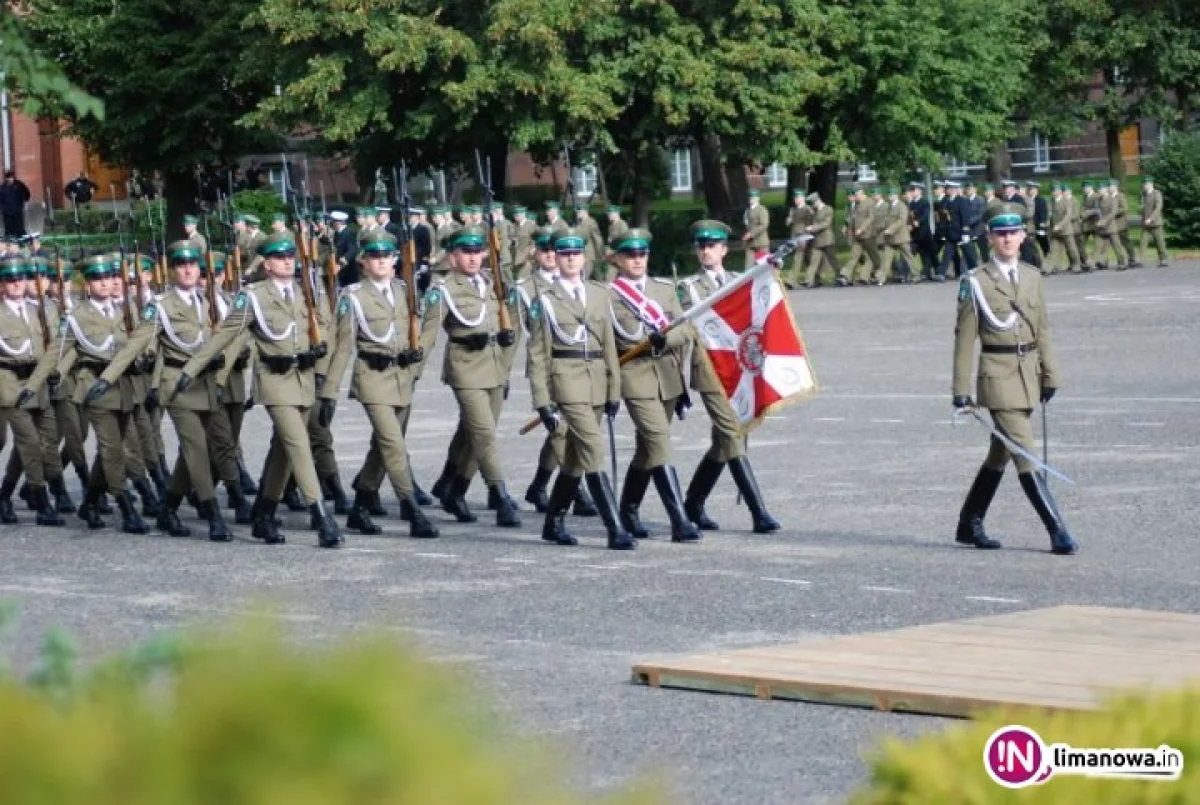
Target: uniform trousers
192, 469
35, 437
72, 428
1062, 246
389, 451
109, 468
1156, 233
290, 453
224, 427
584, 450
826, 255
479, 410
1016, 425
652, 442
1107, 242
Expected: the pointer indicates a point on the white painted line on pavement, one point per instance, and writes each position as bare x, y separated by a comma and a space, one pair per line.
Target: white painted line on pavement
507, 561
437, 555
830, 419
992, 599
888, 421
876, 589
602, 567
1146, 424
785, 581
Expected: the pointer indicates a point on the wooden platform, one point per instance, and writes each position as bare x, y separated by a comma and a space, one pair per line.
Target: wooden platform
1061, 658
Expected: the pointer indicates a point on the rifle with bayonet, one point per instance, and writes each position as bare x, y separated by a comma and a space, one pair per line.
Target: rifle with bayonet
408, 259
507, 336
306, 284
210, 276
123, 270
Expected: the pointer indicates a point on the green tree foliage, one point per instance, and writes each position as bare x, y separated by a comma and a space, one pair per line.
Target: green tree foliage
38, 82
1176, 171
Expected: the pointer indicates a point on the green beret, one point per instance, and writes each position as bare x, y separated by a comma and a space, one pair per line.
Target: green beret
709, 230
475, 209
543, 238
12, 268
191, 219
552, 205
753, 194
253, 220
1056, 186
1006, 221
614, 208
569, 240
519, 210
989, 186
277, 243
31, 268
365, 212
182, 251
438, 209
467, 236
378, 241
146, 263
798, 192
877, 190
97, 266
632, 240
383, 208
239, 217
218, 260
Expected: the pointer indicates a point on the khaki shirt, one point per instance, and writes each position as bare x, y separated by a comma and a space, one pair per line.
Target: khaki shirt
1152, 209
370, 326
648, 377
1062, 217
572, 352
25, 361
90, 341
758, 222
895, 230
455, 305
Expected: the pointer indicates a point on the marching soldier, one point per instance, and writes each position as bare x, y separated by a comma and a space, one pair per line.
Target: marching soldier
274, 314
821, 249
1062, 232
1122, 221
895, 237
651, 384
248, 243
975, 225
756, 237
190, 223
980, 229
553, 218
1106, 229
523, 247
711, 241
1002, 305
857, 222
798, 219
616, 227
586, 226
25, 364
920, 217
1152, 221
178, 323
1090, 216
575, 378
372, 324
475, 365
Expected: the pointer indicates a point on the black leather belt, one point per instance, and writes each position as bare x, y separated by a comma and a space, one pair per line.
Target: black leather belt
577, 354
21, 370
475, 341
96, 366
1009, 349
282, 364
175, 363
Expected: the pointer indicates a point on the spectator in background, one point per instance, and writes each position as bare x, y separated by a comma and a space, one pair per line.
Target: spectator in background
13, 197
81, 188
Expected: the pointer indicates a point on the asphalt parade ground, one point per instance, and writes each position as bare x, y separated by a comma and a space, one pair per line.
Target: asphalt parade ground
867, 478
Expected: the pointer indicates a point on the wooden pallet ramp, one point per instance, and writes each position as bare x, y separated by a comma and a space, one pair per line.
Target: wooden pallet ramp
1060, 658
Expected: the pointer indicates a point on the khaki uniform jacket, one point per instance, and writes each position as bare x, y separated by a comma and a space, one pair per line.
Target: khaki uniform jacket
528, 290
277, 328
563, 325
197, 240
1106, 224
692, 291
25, 362
895, 231
368, 325
91, 340
649, 377
879, 220
1076, 215
231, 378
1121, 212
798, 219
821, 227
593, 240
66, 384
454, 304
523, 242
1091, 212
1152, 209
1004, 381
1062, 217
758, 222
861, 220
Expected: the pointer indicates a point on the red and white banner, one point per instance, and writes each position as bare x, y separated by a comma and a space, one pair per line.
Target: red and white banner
645, 308
755, 345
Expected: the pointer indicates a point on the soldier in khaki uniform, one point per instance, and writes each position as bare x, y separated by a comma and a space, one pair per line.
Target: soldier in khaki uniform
854, 198
504, 240
1152, 221
25, 363
248, 245
475, 365
798, 219
896, 237
1003, 307
728, 447
190, 224
1089, 215
595, 250
1121, 220
757, 236
72, 424
554, 219
1062, 232
523, 230
372, 322
178, 324
651, 384
273, 312
821, 249
1106, 229
574, 379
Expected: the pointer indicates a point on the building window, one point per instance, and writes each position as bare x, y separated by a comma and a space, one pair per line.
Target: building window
584, 178
867, 174
776, 175
956, 167
1041, 153
681, 170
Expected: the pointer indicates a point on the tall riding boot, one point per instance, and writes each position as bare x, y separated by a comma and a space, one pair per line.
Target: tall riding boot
7, 515
23, 494
131, 521
508, 515
420, 496
218, 531
292, 498
266, 527
419, 525
632, 494
698, 491
536, 493
974, 509
1039, 495
156, 478
237, 501
454, 501
370, 500
555, 528
62, 498
338, 495
442, 484
666, 481
100, 505
150, 502
328, 535
606, 504
245, 480
168, 517
163, 468
360, 519
584, 507
747, 484
88, 511
46, 513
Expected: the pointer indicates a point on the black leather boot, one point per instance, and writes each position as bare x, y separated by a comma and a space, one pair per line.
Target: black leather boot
46, 513
151, 505
420, 496
371, 503
62, 498
536, 493
632, 494
245, 480
23, 494
328, 535
747, 484
88, 511
8, 515
1039, 495
606, 504
168, 518
131, 521
156, 478
102, 504
242, 514
454, 501
584, 507
266, 527
292, 498
218, 531
442, 484
970, 518
338, 495
554, 529
360, 519
419, 526
508, 514
666, 481
698, 491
